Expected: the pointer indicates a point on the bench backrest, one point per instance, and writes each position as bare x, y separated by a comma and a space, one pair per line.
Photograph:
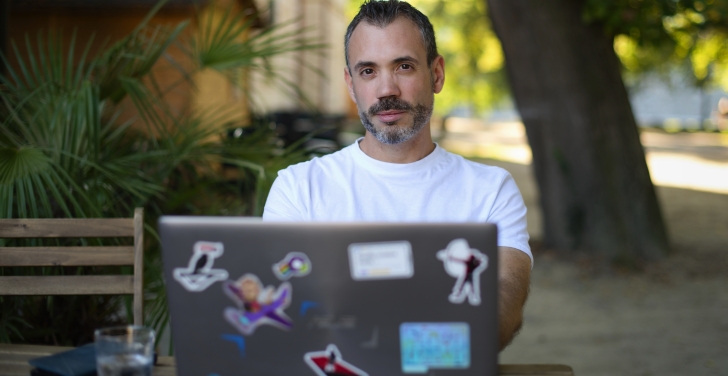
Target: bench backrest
75, 256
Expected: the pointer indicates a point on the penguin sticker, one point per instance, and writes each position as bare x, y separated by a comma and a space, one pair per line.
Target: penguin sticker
199, 274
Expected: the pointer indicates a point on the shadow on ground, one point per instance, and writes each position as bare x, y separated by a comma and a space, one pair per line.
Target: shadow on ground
669, 319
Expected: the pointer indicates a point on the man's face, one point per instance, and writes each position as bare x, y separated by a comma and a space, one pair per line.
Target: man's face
390, 81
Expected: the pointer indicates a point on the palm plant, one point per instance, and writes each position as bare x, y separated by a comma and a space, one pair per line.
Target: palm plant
66, 152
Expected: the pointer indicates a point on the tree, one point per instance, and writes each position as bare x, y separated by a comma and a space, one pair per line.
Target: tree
595, 188
664, 35
596, 191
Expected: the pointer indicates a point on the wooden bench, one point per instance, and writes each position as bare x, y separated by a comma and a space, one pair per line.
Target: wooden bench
75, 256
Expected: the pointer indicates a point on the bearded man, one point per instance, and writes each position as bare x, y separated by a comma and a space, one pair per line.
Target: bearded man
396, 173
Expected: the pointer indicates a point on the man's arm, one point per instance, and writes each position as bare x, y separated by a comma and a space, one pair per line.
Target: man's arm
514, 274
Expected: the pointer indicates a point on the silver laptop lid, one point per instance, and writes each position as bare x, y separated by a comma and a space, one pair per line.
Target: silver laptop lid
257, 298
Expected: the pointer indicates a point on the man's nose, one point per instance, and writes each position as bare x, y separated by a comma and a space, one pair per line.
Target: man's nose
388, 86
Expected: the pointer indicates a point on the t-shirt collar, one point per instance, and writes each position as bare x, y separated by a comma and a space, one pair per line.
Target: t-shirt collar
381, 167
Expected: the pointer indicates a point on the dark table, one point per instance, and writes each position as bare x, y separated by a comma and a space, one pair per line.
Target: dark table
14, 362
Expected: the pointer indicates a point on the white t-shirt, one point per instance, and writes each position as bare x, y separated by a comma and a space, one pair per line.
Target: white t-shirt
442, 187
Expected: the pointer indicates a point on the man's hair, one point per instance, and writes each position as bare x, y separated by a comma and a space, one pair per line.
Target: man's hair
382, 13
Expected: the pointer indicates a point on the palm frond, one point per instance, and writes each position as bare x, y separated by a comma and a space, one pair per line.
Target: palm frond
231, 43
21, 163
67, 151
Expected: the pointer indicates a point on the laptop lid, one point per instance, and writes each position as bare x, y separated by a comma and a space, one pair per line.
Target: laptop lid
257, 298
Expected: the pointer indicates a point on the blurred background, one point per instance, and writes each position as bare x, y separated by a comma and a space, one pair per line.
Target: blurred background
612, 116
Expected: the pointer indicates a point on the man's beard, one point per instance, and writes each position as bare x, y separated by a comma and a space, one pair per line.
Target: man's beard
392, 134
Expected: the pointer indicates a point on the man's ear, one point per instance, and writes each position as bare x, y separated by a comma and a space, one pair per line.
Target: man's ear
438, 73
349, 83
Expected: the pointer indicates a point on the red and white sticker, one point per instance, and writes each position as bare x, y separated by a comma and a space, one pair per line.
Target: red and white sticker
330, 363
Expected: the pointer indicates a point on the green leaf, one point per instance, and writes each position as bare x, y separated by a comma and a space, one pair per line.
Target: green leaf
21, 163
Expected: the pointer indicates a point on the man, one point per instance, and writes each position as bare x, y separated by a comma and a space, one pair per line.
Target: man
395, 172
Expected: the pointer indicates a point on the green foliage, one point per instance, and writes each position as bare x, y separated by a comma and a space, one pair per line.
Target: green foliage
664, 34
65, 152
473, 55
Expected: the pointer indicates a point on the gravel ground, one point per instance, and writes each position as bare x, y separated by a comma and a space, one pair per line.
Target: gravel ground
621, 324
669, 319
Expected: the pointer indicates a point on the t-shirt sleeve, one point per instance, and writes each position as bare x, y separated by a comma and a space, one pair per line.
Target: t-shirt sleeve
509, 213
283, 203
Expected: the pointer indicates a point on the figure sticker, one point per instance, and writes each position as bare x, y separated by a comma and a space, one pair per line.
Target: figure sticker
295, 264
465, 264
257, 305
199, 274
330, 363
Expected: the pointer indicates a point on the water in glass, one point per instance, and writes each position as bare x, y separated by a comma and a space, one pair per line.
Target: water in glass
124, 365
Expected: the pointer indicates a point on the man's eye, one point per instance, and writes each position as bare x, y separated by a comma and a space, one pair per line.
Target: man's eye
405, 66
367, 71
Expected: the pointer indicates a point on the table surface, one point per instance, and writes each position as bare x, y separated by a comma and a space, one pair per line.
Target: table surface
14, 362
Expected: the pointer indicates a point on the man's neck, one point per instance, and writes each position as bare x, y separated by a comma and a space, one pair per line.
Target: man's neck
412, 150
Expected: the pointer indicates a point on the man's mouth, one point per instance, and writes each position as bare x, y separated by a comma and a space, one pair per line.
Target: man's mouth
390, 116
389, 109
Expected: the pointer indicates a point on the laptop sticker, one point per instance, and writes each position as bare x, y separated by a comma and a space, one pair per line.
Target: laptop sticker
426, 346
295, 264
465, 264
390, 260
306, 305
237, 340
330, 363
257, 305
373, 342
199, 274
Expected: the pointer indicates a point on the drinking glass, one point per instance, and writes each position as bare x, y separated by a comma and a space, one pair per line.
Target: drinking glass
124, 351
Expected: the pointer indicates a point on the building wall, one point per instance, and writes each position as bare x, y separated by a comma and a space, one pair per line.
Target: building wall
324, 21
206, 91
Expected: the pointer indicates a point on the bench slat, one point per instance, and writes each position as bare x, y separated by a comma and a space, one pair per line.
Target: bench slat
67, 285
66, 256
67, 228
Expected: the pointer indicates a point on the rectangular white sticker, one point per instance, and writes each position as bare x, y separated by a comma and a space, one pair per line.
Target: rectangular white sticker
388, 260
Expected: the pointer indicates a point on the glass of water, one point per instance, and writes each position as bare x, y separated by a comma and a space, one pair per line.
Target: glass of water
124, 351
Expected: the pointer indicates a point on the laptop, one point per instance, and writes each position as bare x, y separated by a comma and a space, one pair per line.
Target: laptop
248, 297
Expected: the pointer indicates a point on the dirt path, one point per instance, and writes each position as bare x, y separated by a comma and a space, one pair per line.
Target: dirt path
671, 319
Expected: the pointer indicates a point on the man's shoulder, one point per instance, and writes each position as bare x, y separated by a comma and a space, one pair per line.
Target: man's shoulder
326, 162
477, 170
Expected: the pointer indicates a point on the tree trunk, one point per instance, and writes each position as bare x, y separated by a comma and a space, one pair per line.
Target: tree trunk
595, 189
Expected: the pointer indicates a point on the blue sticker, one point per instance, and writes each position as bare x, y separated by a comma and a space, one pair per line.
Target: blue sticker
306, 305
441, 345
238, 340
